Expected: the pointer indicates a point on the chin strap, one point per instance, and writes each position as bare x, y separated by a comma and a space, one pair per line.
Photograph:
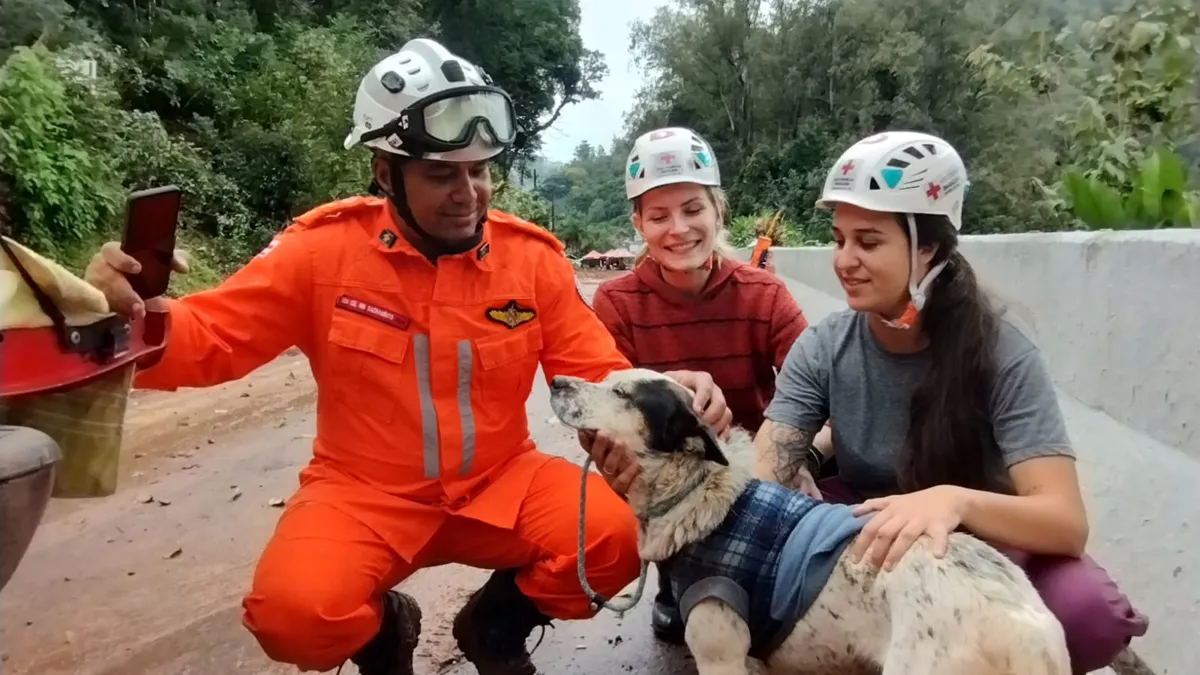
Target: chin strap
917, 288
399, 197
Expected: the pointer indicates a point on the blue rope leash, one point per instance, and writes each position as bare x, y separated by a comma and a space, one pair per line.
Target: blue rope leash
598, 601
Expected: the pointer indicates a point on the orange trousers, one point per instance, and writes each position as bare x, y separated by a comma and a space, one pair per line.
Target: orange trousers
315, 599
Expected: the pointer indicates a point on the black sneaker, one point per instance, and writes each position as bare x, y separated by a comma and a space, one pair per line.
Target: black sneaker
492, 627
390, 652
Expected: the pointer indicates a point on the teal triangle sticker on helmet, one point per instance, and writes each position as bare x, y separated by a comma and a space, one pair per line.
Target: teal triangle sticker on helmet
892, 176
633, 169
703, 157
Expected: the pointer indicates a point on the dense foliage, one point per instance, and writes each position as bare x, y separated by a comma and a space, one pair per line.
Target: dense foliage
241, 103
1073, 113
1070, 114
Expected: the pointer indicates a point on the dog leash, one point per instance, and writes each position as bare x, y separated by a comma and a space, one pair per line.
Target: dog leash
598, 601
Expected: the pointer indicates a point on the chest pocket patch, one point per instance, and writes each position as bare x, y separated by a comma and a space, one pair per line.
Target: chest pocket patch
364, 366
508, 361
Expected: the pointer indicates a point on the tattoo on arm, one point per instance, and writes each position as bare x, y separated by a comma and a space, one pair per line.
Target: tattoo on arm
789, 446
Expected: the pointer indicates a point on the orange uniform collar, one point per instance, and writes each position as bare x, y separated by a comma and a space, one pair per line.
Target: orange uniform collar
387, 238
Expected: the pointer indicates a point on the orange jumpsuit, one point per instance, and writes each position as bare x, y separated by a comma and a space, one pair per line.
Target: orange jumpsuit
422, 455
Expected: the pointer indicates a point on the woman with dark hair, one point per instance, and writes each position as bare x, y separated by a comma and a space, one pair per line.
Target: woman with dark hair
944, 415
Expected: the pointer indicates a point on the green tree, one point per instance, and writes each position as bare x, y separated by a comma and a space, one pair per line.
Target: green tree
1122, 92
555, 188
532, 48
242, 103
51, 22
781, 88
67, 190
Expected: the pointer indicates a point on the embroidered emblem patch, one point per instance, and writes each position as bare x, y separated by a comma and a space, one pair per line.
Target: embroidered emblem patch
378, 313
388, 238
511, 315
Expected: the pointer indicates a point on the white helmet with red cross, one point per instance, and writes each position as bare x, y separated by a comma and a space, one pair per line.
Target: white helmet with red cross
666, 156
899, 172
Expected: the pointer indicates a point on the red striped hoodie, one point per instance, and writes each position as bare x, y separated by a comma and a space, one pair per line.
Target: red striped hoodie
738, 328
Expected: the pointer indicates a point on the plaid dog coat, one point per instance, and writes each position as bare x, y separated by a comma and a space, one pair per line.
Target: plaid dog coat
767, 560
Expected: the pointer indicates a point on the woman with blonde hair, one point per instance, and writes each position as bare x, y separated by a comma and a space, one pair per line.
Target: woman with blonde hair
688, 304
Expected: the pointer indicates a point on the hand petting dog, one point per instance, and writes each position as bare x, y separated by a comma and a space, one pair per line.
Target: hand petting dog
900, 520
619, 468
707, 399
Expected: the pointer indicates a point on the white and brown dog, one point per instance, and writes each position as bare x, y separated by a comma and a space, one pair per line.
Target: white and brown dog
972, 612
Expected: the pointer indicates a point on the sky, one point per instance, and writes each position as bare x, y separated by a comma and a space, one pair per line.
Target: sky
604, 26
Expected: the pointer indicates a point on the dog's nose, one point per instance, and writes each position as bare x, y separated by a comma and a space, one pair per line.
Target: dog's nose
559, 382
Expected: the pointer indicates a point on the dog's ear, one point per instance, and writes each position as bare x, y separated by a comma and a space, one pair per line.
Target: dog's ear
671, 424
712, 450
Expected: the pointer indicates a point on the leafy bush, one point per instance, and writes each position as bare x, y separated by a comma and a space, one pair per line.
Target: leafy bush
62, 190
1121, 93
524, 204
745, 230
147, 156
282, 108
1157, 197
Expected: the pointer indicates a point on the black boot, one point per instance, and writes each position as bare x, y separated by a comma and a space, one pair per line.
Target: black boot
665, 619
390, 652
492, 627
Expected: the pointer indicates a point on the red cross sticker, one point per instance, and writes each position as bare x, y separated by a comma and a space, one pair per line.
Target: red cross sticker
934, 191
667, 159
847, 167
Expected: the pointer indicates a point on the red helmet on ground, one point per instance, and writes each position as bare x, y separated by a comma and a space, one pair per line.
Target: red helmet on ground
56, 331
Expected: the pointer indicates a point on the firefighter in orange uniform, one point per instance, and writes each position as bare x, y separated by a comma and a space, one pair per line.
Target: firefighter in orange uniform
424, 317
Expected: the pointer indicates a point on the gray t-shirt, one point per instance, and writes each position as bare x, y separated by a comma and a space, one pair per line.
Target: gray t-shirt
837, 371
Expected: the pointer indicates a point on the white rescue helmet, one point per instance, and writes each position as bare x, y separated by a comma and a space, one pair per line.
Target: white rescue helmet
901, 172
666, 156
424, 101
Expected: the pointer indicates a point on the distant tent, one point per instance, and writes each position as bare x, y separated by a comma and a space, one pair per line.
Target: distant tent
616, 259
593, 259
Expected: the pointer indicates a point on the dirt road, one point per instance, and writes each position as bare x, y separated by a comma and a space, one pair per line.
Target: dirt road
150, 580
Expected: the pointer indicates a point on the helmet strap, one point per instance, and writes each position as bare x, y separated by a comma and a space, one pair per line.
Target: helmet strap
917, 288
430, 246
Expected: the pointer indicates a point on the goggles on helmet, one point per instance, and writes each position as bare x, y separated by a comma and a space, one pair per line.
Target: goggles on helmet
449, 120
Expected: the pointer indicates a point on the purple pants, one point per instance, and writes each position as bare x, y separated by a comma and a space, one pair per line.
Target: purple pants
1098, 619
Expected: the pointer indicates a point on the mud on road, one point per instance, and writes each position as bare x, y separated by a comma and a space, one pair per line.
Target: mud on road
150, 580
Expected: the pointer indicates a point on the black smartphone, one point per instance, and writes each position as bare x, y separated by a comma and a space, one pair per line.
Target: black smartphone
151, 218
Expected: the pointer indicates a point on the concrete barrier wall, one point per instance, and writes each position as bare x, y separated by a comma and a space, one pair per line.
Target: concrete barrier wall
1117, 316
